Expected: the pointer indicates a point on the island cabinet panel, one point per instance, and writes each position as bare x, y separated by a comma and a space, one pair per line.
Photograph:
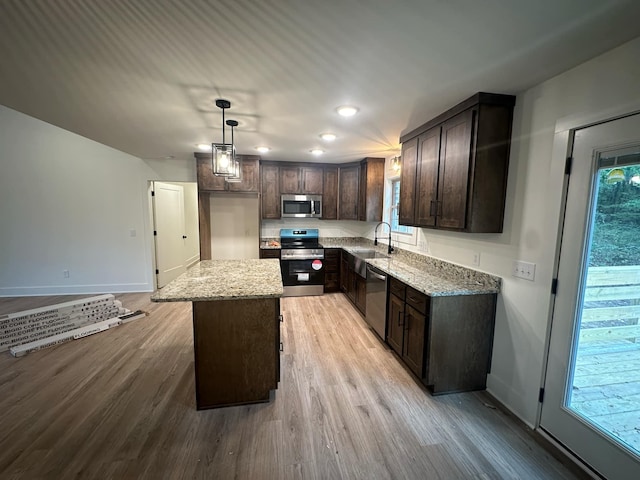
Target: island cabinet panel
236, 346
270, 192
330, 194
446, 341
454, 167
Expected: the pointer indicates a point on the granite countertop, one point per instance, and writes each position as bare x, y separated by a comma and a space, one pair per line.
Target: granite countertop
428, 275
211, 280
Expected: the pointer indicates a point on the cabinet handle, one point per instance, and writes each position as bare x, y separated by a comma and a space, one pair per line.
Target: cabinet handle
439, 202
281, 347
281, 318
406, 324
432, 208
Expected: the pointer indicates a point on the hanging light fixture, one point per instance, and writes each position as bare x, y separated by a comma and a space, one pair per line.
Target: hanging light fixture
395, 164
223, 154
236, 176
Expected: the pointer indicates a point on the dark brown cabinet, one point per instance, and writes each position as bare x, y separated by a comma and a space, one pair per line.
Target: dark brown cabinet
331, 270
330, 194
454, 167
407, 325
348, 192
445, 341
301, 180
270, 192
269, 253
352, 284
371, 190
207, 181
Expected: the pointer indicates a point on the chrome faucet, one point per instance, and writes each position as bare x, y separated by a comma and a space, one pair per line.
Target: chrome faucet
375, 236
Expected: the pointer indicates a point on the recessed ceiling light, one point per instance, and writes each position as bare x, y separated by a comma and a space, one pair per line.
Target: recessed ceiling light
317, 151
263, 149
328, 137
204, 147
347, 110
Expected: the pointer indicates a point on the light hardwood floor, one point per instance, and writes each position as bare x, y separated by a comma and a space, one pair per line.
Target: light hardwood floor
121, 404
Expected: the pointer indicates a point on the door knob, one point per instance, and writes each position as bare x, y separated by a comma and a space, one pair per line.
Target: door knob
184, 236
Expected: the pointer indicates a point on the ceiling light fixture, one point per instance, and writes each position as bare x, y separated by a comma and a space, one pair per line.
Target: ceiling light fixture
262, 149
223, 154
328, 137
317, 151
236, 176
347, 110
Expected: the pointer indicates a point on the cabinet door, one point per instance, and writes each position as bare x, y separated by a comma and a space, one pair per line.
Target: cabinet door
408, 173
250, 177
331, 270
427, 180
348, 193
371, 190
312, 180
206, 179
414, 331
395, 323
453, 176
330, 194
361, 293
344, 272
289, 180
270, 198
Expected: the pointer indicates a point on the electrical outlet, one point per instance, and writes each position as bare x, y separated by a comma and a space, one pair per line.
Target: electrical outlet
65, 273
132, 233
524, 270
476, 258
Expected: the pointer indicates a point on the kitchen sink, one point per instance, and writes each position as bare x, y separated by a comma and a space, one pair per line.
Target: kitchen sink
360, 257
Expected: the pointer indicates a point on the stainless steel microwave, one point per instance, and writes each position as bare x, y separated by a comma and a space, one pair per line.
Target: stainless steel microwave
301, 206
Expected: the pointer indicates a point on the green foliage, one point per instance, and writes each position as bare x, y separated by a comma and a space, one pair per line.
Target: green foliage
616, 230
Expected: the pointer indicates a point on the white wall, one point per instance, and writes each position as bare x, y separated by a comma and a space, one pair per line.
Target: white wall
234, 226
69, 203
594, 90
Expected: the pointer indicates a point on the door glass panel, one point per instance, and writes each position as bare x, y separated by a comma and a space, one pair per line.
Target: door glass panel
604, 387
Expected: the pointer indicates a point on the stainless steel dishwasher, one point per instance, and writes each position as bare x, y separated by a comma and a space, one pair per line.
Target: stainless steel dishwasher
377, 301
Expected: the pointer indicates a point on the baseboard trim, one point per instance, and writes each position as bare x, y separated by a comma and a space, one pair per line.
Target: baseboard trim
75, 289
574, 463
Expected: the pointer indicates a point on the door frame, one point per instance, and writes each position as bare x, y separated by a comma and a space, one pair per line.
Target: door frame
563, 141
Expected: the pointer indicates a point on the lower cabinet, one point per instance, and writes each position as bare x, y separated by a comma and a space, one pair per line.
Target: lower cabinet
269, 253
352, 284
446, 341
331, 270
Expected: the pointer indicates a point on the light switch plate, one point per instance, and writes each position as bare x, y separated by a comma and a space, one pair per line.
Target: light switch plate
524, 270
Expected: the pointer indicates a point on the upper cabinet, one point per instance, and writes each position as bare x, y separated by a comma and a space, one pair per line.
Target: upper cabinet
301, 180
208, 182
454, 167
330, 194
352, 191
361, 190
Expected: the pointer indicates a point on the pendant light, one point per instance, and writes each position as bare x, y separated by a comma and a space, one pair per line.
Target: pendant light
236, 177
223, 154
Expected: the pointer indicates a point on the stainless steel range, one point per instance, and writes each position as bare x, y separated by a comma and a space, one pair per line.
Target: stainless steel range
301, 262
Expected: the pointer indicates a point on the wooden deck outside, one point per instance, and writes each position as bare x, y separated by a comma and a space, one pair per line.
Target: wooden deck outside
606, 383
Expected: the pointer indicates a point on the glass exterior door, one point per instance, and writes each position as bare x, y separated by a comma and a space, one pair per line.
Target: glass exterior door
592, 387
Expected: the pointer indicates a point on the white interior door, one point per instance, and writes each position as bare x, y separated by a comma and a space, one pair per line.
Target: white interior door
170, 237
592, 388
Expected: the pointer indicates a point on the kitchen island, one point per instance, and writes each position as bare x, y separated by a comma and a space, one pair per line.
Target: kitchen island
236, 328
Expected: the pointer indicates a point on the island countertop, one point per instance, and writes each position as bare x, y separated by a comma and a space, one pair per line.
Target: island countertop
211, 280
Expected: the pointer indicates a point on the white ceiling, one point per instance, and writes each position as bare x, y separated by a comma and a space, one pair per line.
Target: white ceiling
142, 75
